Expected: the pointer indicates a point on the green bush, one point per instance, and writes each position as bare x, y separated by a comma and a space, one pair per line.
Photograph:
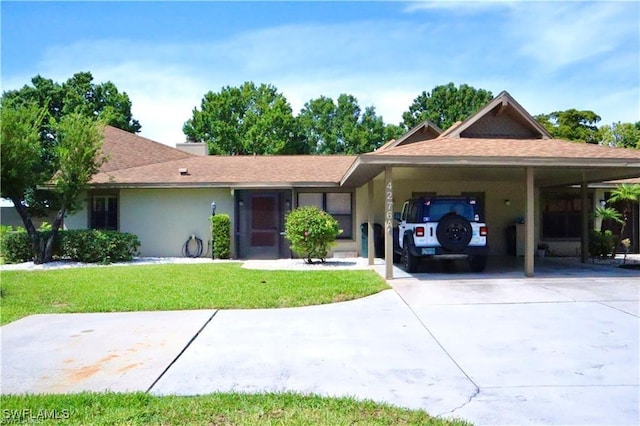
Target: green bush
602, 244
311, 232
221, 235
89, 246
96, 246
16, 247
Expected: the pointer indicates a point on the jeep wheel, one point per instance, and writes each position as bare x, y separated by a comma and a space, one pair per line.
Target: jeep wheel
410, 261
454, 233
478, 263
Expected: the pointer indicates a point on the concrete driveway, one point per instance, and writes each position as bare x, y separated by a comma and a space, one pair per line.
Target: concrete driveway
496, 349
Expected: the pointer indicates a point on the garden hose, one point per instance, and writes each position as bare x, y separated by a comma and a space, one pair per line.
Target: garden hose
186, 251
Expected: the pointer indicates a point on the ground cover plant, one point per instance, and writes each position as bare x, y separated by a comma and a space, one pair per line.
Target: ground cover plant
213, 409
175, 287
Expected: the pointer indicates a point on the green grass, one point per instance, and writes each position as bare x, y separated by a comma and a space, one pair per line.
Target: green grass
175, 287
214, 409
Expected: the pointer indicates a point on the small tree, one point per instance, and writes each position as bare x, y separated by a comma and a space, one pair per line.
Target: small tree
311, 232
64, 168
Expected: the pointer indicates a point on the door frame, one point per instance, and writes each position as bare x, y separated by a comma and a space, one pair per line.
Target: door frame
243, 208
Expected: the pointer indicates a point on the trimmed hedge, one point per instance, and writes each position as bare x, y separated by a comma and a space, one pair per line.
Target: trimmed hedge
16, 247
221, 235
86, 245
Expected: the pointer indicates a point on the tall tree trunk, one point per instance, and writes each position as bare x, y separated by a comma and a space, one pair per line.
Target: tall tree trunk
47, 252
36, 249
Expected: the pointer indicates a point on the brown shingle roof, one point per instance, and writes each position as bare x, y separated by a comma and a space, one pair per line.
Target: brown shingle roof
126, 150
514, 148
234, 171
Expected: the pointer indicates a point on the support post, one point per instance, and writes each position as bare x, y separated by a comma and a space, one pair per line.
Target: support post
388, 222
530, 224
370, 245
584, 239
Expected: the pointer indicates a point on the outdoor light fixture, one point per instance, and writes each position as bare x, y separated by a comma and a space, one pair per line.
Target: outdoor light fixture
507, 202
603, 202
213, 208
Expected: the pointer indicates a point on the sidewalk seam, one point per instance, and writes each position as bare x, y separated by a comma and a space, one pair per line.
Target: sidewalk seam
195, 336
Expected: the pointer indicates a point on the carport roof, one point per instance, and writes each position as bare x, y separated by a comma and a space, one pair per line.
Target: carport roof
503, 135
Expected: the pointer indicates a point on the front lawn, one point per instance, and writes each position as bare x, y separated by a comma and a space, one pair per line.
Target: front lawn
214, 409
176, 287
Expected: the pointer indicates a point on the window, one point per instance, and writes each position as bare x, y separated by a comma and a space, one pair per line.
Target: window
104, 212
337, 204
562, 215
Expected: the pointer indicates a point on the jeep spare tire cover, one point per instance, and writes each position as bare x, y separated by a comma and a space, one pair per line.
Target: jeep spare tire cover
454, 232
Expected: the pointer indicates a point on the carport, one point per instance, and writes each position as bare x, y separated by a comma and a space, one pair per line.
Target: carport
501, 145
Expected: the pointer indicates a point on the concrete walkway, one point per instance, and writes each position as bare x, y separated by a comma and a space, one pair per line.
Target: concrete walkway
501, 349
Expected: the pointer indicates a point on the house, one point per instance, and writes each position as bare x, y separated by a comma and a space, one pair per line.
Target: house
522, 177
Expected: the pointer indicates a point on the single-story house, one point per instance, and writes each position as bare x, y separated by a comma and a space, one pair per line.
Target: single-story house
526, 182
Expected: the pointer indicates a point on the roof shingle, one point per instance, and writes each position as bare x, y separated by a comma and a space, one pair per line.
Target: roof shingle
125, 150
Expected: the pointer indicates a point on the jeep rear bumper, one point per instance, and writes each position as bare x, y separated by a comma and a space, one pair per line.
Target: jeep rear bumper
442, 253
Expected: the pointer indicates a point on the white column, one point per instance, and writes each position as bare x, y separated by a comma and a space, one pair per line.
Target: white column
388, 223
370, 246
530, 224
584, 240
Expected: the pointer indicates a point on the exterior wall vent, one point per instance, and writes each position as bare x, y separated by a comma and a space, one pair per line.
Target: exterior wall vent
183, 171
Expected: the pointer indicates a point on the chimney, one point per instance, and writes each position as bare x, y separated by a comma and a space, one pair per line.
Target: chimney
199, 148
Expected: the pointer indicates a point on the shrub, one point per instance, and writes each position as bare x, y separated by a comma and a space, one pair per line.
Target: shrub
16, 246
221, 235
311, 232
602, 244
89, 246
96, 246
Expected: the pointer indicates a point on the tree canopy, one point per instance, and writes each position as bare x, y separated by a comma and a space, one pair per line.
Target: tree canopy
572, 124
248, 119
342, 127
79, 94
445, 105
623, 135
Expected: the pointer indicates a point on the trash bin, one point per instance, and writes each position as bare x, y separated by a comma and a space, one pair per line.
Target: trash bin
378, 241
510, 235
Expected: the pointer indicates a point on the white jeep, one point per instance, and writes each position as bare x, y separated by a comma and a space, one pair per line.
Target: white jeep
444, 227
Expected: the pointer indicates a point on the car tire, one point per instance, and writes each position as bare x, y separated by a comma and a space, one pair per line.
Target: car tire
454, 233
410, 261
478, 263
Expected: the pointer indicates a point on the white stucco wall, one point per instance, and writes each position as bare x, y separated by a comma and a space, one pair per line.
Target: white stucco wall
163, 219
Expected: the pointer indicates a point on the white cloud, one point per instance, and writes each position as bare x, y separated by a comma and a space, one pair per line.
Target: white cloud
556, 35
521, 48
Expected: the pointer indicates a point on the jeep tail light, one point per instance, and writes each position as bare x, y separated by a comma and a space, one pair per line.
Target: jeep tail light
420, 231
484, 231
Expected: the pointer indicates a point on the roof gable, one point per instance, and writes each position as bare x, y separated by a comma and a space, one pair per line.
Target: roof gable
503, 117
422, 132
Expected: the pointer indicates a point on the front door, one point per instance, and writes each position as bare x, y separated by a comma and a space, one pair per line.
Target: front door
260, 224
264, 229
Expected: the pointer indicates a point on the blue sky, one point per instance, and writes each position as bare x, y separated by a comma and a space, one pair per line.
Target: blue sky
167, 55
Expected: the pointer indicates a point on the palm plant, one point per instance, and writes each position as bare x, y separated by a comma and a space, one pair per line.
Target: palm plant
607, 213
626, 193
